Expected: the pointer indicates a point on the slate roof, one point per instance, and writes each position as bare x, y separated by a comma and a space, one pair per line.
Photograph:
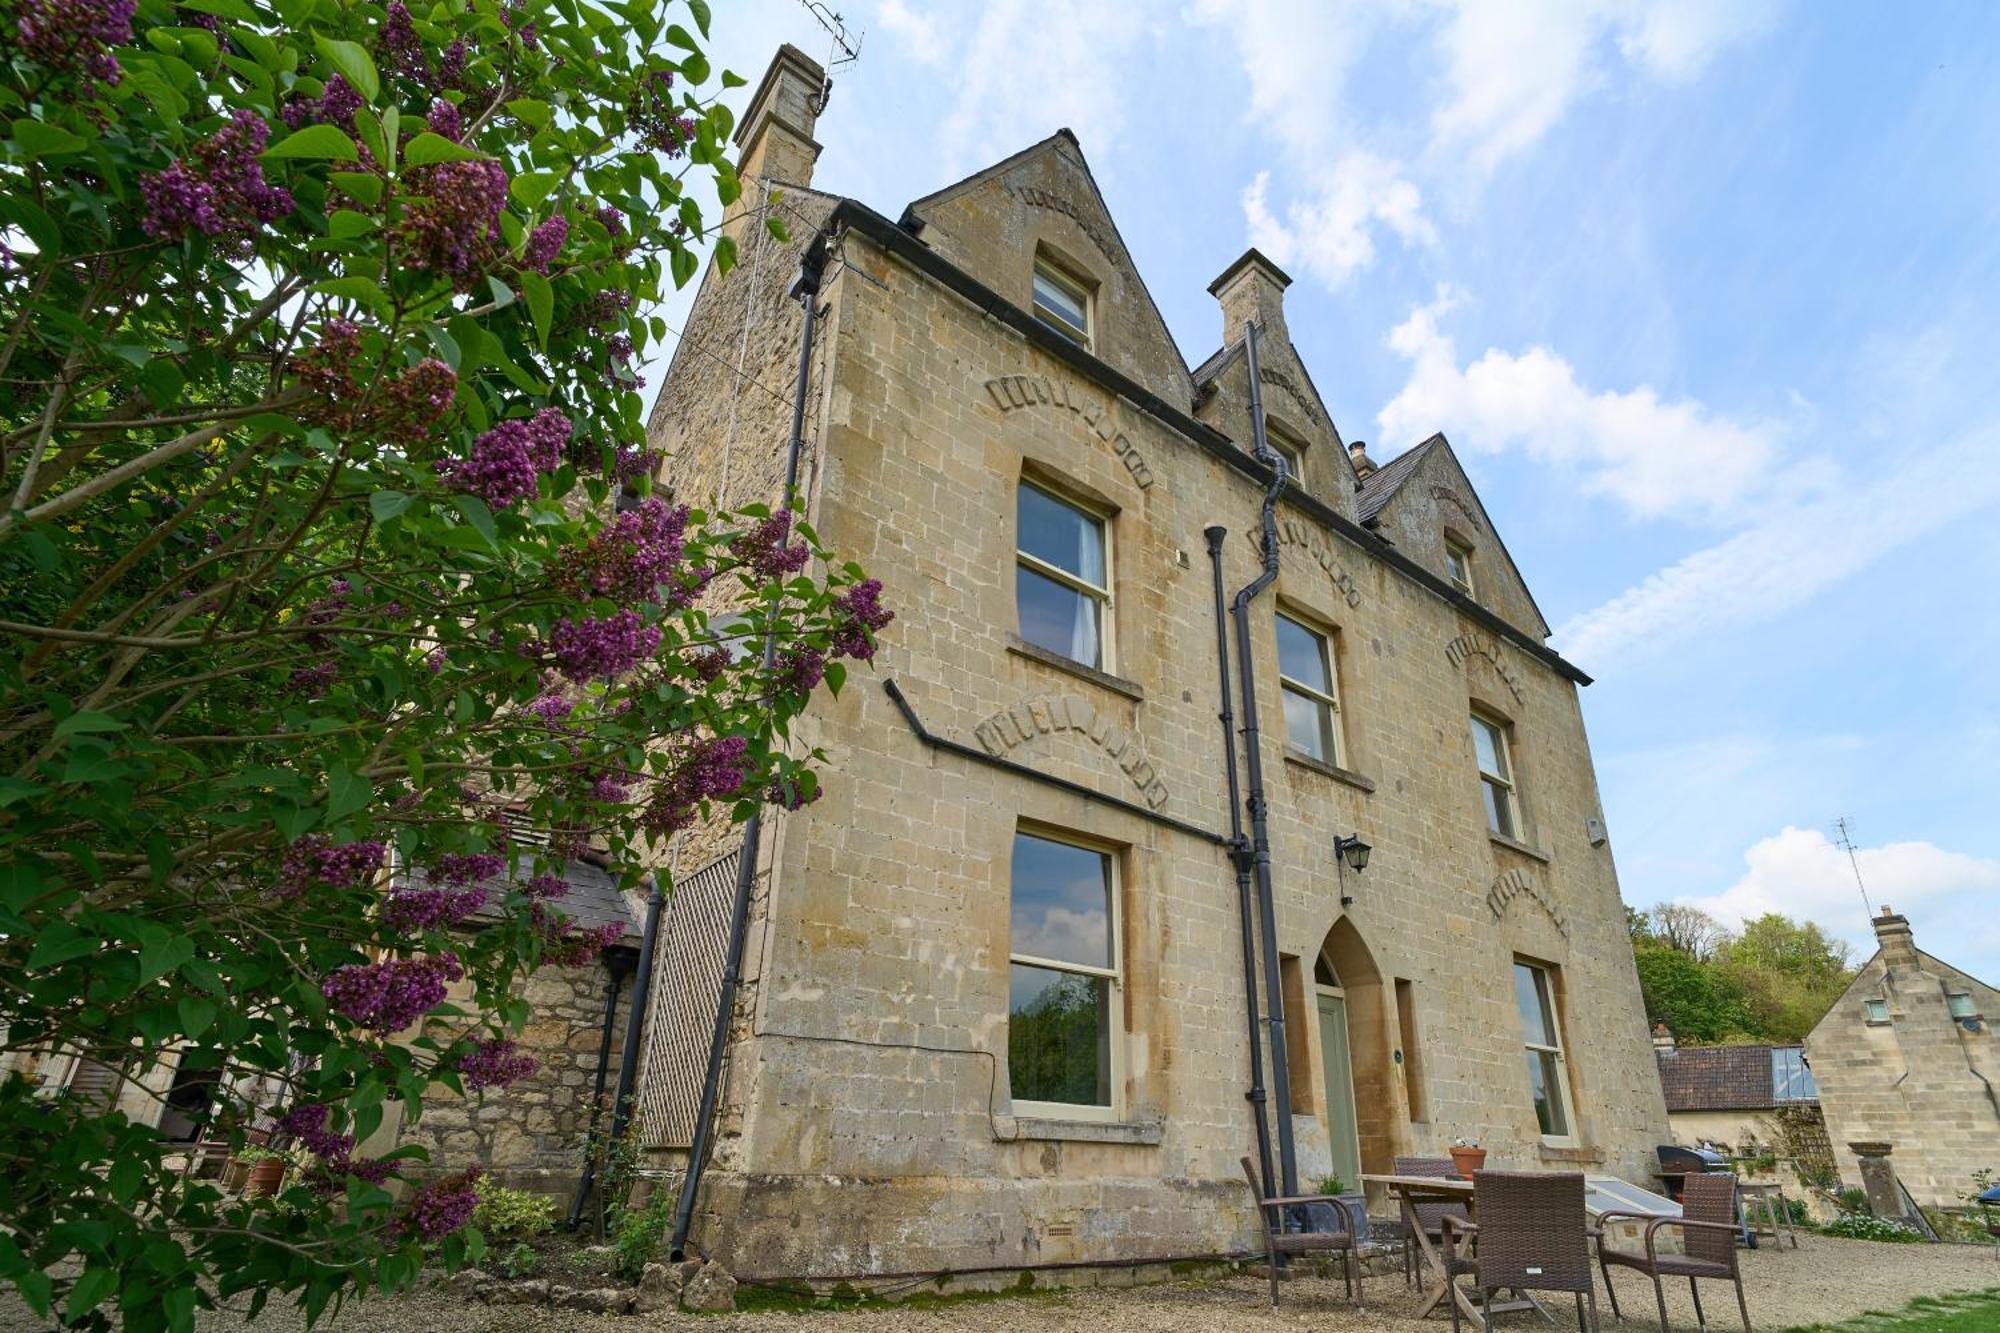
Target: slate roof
593, 899
1717, 1078
1380, 486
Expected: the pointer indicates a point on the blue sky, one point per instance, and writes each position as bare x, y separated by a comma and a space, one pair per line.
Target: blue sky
1701, 292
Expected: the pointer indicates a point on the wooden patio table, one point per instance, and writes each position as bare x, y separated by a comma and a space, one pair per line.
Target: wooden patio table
1412, 1190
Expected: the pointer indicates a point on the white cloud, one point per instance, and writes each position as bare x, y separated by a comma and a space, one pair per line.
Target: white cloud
1329, 229
1654, 455
1803, 874
1792, 553
917, 30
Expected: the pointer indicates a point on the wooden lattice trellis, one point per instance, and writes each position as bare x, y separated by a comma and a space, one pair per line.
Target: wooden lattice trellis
687, 984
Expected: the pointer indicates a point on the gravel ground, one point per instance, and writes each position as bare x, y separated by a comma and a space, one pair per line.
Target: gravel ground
1824, 1280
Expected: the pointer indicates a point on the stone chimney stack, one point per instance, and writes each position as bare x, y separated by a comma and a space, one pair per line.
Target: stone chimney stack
1892, 932
1357, 453
1252, 288
1663, 1037
775, 137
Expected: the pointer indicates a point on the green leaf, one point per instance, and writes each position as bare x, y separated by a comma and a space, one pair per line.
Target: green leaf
836, 676
345, 222
126, 1178
87, 720
196, 1014
427, 148
776, 226
699, 8
479, 516
529, 111
351, 59
364, 187
39, 140
363, 291
89, 1292
684, 264
531, 187
228, 9
160, 957
541, 302
40, 227
503, 295
322, 142
59, 944
346, 792
731, 79
679, 36
695, 69
385, 505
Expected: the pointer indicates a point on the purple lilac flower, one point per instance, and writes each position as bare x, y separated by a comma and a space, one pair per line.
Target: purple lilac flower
76, 36
506, 460
551, 708
454, 228
861, 613
335, 105
564, 944
791, 794
389, 996
462, 868
451, 65
308, 1124
400, 50
194, 18
219, 190
798, 670
613, 220
608, 790
495, 1064
708, 665
653, 116
312, 681
632, 557
631, 464
445, 120
590, 649
546, 886
545, 243
436, 660
443, 1206
408, 909
711, 768
763, 547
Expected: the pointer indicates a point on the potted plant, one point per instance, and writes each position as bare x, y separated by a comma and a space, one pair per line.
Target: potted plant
1326, 1217
1467, 1156
266, 1170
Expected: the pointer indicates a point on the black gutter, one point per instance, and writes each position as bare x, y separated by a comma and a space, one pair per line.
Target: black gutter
964, 751
635, 1022
853, 215
805, 290
1260, 828
618, 961
1239, 849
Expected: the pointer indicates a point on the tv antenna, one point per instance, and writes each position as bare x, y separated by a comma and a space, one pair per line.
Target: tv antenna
1846, 827
842, 49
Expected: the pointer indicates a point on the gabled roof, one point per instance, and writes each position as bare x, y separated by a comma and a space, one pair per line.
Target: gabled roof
1226, 356
914, 211
1380, 486
1717, 1078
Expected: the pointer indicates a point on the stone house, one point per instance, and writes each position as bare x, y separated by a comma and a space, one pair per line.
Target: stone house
1906, 1062
992, 1012
1719, 1094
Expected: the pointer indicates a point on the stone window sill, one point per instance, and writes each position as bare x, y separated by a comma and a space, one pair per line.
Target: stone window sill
1513, 845
1550, 1152
1020, 647
1334, 771
1084, 1131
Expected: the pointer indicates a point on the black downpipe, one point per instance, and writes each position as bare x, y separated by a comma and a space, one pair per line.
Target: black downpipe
618, 961
635, 1022
1260, 831
1239, 854
805, 290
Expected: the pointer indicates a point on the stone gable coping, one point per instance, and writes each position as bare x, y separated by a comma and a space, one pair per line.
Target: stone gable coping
1045, 715
1010, 393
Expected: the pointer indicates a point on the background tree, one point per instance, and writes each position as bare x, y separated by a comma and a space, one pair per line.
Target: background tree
317, 327
1688, 929
1770, 983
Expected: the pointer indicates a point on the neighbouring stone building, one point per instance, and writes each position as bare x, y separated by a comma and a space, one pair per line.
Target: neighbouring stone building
1906, 1062
992, 1012
1728, 1095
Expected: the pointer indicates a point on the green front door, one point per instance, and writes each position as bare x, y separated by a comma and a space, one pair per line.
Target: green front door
1340, 1123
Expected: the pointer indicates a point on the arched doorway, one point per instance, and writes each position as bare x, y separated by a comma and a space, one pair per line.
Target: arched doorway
1355, 1043
1343, 1127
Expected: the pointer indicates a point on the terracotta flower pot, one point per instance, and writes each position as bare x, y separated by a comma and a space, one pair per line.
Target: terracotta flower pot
1468, 1160
266, 1176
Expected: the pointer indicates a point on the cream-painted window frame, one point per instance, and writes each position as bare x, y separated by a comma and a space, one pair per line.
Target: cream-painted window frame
1073, 286
1107, 635
1464, 580
1115, 975
1551, 996
1507, 784
1328, 699
1289, 447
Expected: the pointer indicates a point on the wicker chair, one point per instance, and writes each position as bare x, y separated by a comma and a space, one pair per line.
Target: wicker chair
1271, 1211
1430, 1216
1709, 1229
1530, 1237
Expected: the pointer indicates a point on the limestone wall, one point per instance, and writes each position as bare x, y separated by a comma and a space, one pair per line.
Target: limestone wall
866, 1123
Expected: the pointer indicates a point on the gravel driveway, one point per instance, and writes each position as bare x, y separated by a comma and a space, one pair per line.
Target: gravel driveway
1823, 1280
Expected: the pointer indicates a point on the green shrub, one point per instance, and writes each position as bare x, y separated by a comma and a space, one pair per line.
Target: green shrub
1331, 1185
1797, 1213
504, 1213
1853, 1200
640, 1231
519, 1262
1860, 1226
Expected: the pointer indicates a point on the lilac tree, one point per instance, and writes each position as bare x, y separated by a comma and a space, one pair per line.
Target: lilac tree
329, 549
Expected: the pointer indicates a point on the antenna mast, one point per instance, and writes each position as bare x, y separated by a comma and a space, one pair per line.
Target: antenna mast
1844, 824
841, 48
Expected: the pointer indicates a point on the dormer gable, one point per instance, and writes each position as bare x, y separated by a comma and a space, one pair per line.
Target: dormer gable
1296, 418
1423, 504
1034, 227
